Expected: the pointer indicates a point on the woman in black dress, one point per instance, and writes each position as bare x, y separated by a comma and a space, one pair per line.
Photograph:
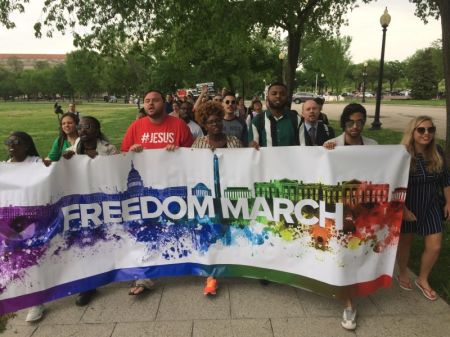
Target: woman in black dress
427, 202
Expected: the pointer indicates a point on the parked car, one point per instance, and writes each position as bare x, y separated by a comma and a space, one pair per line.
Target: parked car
300, 97
367, 95
112, 99
406, 92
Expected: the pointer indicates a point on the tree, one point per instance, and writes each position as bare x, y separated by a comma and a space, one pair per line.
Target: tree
8, 85
59, 81
15, 65
142, 21
82, 72
393, 71
329, 56
372, 72
299, 18
422, 75
436, 9
28, 83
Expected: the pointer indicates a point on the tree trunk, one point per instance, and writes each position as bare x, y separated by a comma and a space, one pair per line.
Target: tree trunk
444, 8
294, 38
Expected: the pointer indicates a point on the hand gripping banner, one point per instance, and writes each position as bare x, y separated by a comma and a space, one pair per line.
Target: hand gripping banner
323, 220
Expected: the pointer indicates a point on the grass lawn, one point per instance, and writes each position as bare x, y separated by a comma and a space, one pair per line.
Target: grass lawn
39, 120
41, 123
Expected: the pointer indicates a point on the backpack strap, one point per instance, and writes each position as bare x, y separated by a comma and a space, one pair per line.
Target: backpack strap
295, 125
260, 126
259, 122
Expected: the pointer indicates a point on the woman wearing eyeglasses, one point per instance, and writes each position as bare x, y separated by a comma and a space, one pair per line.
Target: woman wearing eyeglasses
67, 135
427, 202
211, 118
21, 148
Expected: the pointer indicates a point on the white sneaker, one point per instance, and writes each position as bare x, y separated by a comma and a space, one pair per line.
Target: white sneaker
349, 319
35, 313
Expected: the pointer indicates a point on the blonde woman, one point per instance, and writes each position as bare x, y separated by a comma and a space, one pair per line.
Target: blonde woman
427, 202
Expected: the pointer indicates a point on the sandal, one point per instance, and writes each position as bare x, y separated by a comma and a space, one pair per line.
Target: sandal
140, 286
405, 285
428, 293
210, 286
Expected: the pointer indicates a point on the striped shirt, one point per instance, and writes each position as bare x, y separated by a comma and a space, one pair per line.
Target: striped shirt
202, 142
425, 199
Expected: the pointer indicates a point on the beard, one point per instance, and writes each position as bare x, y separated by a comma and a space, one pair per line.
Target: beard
276, 104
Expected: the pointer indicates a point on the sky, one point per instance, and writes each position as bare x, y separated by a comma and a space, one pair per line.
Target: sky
405, 34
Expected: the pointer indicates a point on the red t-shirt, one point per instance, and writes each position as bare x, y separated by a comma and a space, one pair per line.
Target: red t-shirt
157, 136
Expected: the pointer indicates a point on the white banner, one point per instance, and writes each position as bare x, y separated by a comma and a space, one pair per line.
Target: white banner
315, 218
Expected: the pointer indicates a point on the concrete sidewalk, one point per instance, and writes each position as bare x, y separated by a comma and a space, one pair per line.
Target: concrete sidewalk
242, 307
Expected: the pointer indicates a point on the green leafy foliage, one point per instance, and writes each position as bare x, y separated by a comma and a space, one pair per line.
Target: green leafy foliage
330, 57
423, 75
82, 68
393, 71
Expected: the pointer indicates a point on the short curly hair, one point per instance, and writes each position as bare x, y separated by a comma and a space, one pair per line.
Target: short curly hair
208, 109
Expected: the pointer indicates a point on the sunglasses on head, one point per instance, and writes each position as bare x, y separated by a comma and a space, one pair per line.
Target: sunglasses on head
421, 130
12, 142
230, 102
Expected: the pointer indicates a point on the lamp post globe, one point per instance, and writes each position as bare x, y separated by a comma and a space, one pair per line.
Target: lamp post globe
281, 57
364, 74
385, 20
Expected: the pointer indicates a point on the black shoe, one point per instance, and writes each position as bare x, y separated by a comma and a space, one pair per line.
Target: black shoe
84, 298
264, 282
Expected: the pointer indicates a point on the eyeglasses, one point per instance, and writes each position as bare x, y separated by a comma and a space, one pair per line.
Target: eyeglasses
227, 102
12, 142
421, 130
214, 122
83, 126
359, 123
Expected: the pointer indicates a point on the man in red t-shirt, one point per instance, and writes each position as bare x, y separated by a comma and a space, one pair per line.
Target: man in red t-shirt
157, 130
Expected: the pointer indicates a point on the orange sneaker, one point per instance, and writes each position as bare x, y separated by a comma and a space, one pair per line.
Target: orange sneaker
210, 286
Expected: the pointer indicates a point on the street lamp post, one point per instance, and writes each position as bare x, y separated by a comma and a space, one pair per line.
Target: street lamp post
317, 77
364, 82
385, 19
281, 57
322, 84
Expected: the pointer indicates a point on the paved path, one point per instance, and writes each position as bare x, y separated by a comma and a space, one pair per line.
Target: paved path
242, 307
392, 116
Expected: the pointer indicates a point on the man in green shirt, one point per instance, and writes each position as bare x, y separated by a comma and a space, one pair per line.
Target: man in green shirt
276, 126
